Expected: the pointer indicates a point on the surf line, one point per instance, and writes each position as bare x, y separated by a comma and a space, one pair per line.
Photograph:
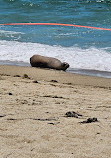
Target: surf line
58, 24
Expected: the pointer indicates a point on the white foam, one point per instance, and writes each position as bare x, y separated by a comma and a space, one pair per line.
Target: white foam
92, 58
10, 32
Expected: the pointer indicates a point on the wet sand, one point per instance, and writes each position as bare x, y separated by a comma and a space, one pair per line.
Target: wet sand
33, 105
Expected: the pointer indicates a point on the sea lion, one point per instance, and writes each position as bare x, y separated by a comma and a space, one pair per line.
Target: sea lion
48, 62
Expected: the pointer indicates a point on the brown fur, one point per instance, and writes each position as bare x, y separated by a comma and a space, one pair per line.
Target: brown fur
48, 62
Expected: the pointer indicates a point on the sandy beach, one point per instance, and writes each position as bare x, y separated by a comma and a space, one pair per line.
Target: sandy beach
33, 105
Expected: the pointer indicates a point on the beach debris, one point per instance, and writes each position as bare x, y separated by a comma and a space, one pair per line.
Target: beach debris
72, 114
10, 93
11, 119
24, 102
26, 76
47, 119
54, 81
90, 120
98, 133
2, 116
35, 81
54, 96
16, 76
57, 102
51, 123
47, 112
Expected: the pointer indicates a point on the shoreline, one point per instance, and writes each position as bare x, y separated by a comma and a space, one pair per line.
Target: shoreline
33, 121
86, 72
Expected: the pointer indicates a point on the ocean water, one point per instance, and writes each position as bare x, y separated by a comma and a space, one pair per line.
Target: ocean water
82, 48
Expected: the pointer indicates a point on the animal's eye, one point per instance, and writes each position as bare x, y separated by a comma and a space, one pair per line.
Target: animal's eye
64, 64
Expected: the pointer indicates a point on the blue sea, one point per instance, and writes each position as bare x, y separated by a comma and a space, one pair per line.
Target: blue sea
83, 48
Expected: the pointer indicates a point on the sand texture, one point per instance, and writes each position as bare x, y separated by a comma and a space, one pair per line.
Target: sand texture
33, 124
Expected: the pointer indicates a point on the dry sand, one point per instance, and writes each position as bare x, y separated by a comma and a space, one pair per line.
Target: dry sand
32, 114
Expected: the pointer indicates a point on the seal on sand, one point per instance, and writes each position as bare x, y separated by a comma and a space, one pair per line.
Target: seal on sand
48, 62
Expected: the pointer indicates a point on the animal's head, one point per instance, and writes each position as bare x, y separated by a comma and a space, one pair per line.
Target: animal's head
65, 66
